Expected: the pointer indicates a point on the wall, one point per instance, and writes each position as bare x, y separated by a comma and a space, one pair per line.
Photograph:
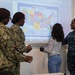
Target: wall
39, 63
73, 8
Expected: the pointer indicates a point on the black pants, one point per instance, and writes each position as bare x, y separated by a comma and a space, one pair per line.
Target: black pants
6, 73
72, 73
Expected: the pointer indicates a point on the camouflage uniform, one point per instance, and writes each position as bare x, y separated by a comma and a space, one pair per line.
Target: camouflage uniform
70, 40
6, 47
19, 39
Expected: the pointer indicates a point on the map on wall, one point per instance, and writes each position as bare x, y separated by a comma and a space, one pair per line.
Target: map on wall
38, 19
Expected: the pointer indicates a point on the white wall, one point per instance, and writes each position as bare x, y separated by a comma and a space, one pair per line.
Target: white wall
73, 8
37, 66
39, 63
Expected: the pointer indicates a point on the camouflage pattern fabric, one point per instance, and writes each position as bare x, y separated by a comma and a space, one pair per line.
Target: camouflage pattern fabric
19, 40
7, 47
18, 37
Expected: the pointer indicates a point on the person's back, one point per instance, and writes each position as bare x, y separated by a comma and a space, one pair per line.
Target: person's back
19, 38
53, 48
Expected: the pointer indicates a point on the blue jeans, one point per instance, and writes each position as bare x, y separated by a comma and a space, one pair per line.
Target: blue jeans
54, 63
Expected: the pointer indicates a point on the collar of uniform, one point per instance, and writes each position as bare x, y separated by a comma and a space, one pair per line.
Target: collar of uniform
1, 23
74, 30
17, 25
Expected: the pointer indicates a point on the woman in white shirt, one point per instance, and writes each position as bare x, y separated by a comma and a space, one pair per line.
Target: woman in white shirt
53, 48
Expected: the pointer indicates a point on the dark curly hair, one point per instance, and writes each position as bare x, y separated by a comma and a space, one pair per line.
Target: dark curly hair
57, 32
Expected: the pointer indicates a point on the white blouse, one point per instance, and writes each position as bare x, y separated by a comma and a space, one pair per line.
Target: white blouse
53, 47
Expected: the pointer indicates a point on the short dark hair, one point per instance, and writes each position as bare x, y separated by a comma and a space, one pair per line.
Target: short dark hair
17, 17
73, 19
57, 32
4, 13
